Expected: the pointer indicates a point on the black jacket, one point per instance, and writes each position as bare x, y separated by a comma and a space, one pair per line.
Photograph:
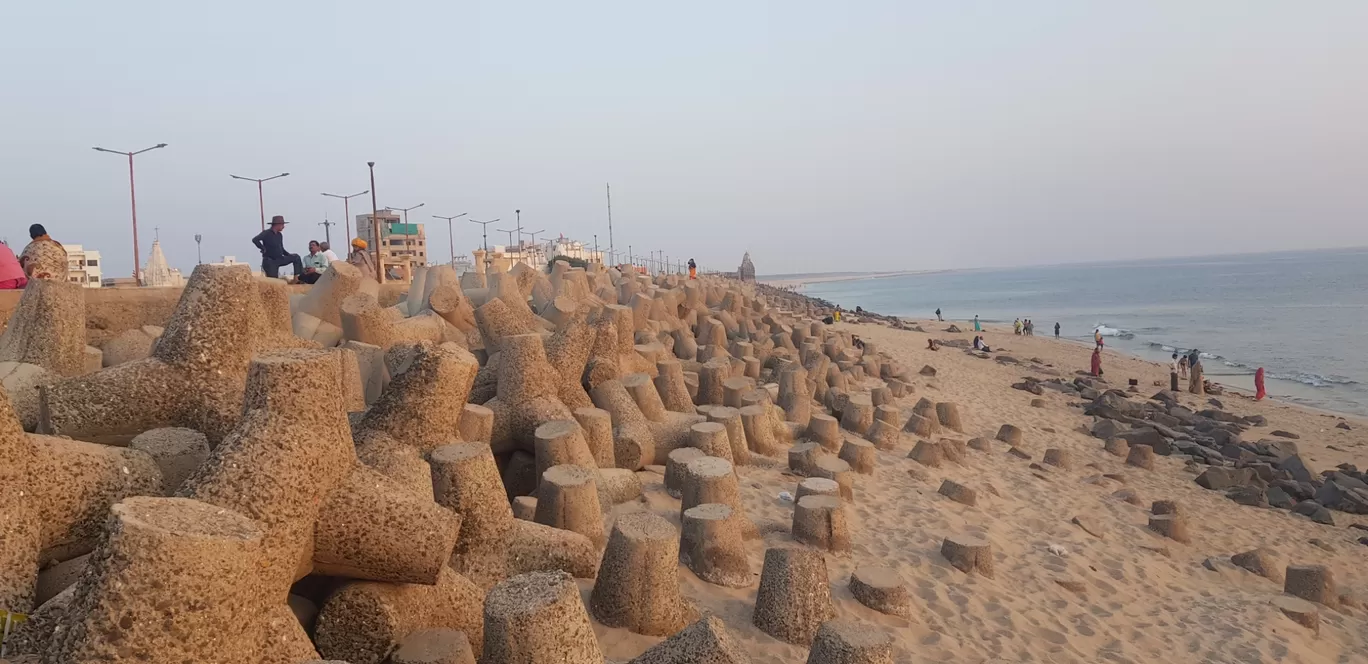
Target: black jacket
271, 244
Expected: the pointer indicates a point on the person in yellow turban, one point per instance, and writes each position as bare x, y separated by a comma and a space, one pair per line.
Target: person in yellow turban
361, 258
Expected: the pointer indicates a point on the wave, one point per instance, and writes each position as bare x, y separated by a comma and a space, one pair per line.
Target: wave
1105, 331
1303, 377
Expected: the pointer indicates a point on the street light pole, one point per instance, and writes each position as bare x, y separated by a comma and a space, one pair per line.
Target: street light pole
133, 203
451, 241
375, 225
199, 255
261, 196
519, 214
346, 208
484, 232
534, 235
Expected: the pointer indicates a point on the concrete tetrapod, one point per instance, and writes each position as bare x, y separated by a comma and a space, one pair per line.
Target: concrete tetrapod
858, 414
826, 430
841, 642
713, 480
597, 425
711, 545
176, 450
759, 430
362, 621
291, 449
669, 383
633, 442
173, 580
712, 439
47, 328
880, 588
416, 408
567, 498
538, 618
638, 583
736, 432
859, 454
838, 471
969, 554
527, 394
562, 442
821, 521
704, 642
794, 598
818, 486
493, 545
194, 378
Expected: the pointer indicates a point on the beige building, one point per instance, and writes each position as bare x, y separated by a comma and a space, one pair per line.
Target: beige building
402, 247
83, 266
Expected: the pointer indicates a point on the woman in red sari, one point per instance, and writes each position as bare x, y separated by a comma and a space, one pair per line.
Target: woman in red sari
1259, 392
1097, 361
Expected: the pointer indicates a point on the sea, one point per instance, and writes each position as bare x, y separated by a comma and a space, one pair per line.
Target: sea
1301, 315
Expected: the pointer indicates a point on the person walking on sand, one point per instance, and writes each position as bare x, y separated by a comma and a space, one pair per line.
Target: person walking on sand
1259, 391
1173, 373
1097, 362
938, 314
1056, 330
271, 243
977, 327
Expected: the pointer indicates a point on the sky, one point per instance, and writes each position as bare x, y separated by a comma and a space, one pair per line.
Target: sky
818, 136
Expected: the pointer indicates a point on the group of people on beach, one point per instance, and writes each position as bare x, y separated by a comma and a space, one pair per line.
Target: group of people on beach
307, 269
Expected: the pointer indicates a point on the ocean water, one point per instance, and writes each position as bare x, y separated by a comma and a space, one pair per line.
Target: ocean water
1302, 316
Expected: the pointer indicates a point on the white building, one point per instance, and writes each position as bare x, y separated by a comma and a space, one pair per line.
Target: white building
83, 266
563, 246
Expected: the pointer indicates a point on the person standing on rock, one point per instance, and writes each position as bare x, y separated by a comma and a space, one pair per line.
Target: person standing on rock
1173, 373
1056, 330
271, 243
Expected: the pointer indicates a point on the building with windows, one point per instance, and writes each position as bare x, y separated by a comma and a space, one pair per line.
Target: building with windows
83, 266
401, 248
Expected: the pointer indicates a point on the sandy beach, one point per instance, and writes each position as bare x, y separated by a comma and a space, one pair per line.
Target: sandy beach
1123, 595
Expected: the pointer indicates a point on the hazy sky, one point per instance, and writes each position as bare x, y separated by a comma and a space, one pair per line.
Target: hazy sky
816, 135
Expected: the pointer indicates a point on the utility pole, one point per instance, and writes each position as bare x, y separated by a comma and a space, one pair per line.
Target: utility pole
133, 202
346, 208
484, 232
596, 251
199, 255
630, 258
609, 190
375, 226
451, 241
261, 197
519, 213
327, 229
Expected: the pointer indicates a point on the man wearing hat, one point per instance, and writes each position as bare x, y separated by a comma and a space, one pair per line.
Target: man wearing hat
273, 255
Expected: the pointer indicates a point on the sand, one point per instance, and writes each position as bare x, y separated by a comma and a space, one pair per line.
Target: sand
1137, 597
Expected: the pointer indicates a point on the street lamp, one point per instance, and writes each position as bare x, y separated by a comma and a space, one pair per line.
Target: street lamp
133, 202
484, 232
199, 255
519, 213
346, 207
534, 235
261, 197
451, 241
